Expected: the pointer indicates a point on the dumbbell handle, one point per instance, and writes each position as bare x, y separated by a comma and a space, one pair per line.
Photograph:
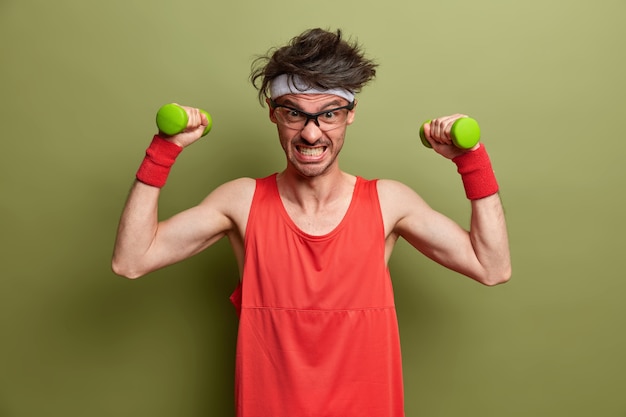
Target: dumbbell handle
172, 119
465, 133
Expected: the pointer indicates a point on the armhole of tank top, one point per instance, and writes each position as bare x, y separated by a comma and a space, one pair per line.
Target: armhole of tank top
253, 208
379, 210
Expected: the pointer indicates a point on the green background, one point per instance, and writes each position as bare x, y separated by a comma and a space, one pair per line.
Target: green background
80, 83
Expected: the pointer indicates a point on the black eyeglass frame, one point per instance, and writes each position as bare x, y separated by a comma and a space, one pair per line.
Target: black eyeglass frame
312, 116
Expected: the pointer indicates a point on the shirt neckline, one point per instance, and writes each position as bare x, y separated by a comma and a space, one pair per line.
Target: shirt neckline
298, 230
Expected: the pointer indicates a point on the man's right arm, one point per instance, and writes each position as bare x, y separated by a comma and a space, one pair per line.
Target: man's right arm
143, 243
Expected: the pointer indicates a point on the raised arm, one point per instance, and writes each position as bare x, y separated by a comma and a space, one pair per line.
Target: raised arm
143, 243
482, 253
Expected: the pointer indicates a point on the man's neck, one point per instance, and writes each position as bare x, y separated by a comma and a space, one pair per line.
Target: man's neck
313, 193
316, 205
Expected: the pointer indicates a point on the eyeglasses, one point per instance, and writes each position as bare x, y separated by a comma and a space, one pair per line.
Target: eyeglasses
297, 119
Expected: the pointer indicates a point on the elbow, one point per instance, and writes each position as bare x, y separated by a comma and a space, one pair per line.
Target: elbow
125, 270
497, 277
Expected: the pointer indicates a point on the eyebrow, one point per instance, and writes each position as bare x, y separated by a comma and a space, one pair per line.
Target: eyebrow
332, 104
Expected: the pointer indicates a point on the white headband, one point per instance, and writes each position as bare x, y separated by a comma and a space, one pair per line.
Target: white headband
292, 84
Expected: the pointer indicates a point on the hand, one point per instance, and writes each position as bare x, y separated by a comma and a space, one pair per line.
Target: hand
438, 134
196, 124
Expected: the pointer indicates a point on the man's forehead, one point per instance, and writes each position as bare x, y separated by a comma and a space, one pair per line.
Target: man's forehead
319, 100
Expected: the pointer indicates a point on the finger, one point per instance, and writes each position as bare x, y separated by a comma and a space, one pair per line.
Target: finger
438, 130
444, 127
447, 128
427, 129
434, 129
195, 118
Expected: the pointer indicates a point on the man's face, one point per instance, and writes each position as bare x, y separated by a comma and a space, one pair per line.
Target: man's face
311, 150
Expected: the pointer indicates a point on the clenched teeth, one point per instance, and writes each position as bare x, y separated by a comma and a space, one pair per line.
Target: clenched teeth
307, 151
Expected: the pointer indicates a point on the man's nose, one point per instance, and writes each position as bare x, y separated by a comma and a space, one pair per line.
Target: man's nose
311, 131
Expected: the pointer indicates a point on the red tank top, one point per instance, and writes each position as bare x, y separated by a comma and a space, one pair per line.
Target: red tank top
318, 333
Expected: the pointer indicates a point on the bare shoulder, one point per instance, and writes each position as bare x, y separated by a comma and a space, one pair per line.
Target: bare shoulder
240, 185
229, 205
399, 202
395, 192
233, 194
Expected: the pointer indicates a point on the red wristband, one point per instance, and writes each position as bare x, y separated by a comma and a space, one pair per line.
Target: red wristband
475, 168
160, 157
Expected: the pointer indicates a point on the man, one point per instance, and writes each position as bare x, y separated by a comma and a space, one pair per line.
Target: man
318, 333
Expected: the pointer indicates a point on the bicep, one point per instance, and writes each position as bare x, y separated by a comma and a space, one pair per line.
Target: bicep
192, 230
433, 234
195, 229
429, 231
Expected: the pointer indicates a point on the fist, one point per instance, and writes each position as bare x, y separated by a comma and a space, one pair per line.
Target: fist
182, 125
438, 133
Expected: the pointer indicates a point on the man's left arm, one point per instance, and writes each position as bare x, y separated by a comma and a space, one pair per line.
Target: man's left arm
488, 233
481, 253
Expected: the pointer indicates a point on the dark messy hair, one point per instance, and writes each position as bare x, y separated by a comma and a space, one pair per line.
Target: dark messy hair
321, 59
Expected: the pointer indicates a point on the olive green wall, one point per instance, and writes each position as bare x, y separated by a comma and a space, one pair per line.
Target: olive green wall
80, 83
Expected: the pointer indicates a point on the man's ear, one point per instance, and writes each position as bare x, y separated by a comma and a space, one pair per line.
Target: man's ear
269, 105
352, 113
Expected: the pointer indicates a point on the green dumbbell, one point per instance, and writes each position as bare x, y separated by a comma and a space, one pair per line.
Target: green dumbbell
172, 119
465, 133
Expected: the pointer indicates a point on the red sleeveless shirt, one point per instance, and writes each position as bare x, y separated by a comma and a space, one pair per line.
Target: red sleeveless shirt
318, 333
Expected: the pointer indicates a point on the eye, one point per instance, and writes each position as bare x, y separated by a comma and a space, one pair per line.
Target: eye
290, 114
330, 115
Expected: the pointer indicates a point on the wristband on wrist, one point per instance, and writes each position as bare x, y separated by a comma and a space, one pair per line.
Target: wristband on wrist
477, 174
156, 165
